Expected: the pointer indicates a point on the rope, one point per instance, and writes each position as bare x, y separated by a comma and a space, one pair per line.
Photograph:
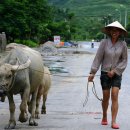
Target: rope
61, 75
12, 82
86, 99
94, 92
13, 78
93, 88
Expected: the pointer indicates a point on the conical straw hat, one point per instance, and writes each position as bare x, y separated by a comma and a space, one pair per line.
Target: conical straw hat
116, 24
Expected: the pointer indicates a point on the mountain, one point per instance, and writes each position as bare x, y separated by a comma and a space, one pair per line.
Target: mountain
91, 8
89, 11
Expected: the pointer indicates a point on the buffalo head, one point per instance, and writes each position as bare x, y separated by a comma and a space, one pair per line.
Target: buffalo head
7, 72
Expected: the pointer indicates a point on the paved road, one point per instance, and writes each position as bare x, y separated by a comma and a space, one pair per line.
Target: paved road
65, 109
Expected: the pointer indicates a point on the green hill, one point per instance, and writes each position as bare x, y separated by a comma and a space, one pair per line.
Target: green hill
91, 11
94, 7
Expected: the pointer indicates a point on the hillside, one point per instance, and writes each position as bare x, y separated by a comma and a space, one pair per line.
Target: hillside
95, 13
94, 7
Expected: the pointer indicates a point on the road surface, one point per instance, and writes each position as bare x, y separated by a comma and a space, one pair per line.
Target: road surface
65, 109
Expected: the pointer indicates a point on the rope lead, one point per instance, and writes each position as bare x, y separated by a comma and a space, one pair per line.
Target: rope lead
94, 92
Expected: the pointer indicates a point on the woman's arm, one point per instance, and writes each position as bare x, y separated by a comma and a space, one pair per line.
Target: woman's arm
123, 62
98, 58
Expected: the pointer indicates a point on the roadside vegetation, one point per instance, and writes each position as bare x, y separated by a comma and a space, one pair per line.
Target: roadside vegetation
92, 15
33, 22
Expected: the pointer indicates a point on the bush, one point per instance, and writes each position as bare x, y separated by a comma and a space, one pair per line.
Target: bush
27, 42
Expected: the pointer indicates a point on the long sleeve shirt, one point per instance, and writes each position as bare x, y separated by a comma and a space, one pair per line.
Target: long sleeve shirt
110, 57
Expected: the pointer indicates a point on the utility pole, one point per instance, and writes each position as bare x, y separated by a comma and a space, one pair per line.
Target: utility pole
120, 20
125, 17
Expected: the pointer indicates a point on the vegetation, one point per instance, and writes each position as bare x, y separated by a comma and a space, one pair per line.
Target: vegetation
92, 15
33, 22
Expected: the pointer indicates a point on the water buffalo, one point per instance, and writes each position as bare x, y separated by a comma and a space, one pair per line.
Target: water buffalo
43, 91
21, 72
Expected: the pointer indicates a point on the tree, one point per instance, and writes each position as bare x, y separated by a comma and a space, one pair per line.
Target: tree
23, 19
13, 20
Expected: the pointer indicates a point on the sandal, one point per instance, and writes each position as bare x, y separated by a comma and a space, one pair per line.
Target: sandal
104, 122
115, 126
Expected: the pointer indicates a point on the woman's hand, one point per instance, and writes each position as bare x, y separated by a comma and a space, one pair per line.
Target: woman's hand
111, 73
90, 78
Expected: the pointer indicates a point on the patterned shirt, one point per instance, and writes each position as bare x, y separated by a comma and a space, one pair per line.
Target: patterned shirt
110, 57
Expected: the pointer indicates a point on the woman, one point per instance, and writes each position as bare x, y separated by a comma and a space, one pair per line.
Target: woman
112, 56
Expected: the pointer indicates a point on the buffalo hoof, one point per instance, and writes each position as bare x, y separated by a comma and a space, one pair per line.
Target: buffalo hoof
32, 122
43, 112
23, 118
11, 125
3, 99
37, 116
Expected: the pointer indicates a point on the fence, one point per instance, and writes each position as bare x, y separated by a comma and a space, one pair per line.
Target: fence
3, 41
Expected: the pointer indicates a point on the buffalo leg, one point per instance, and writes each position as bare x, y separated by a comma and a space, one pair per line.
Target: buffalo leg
33, 108
37, 106
12, 121
43, 111
40, 92
23, 117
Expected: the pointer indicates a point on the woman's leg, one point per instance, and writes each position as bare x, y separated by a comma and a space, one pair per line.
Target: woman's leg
105, 103
114, 107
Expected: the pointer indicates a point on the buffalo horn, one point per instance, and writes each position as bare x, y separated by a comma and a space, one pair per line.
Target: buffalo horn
21, 67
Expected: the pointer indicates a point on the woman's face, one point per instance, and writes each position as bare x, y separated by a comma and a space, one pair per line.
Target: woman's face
115, 32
